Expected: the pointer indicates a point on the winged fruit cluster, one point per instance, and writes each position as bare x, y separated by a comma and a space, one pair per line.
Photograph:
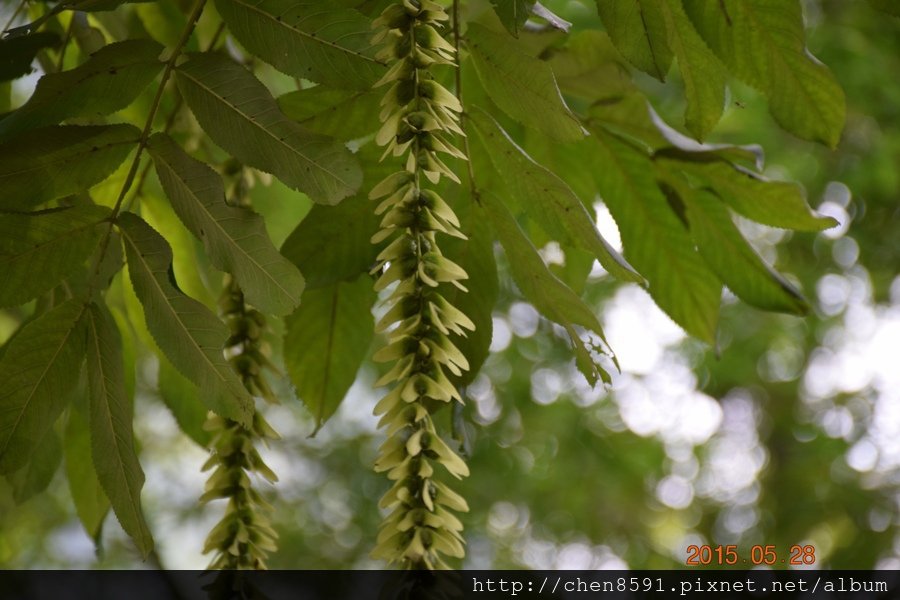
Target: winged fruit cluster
244, 536
418, 115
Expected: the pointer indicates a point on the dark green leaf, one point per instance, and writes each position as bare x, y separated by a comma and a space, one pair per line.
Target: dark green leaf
309, 40
325, 342
90, 501
638, 30
235, 238
522, 86
183, 399
110, 80
546, 198
17, 53
190, 335
40, 365
589, 67
38, 250
656, 242
763, 43
891, 7
545, 291
342, 114
513, 13
33, 478
53, 162
112, 440
239, 114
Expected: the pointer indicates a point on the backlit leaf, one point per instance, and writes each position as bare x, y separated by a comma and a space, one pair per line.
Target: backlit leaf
33, 478
342, 114
91, 503
513, 13
638, 30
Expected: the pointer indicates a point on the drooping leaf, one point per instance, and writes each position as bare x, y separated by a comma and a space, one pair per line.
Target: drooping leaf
310, 40
703, 74
545, 291
522, 86
546, 198
656, 242
235, 238
17, 53
325, 342
763, 43
774, 203
345, 230
112, 440
33, 478
476, 257
40, 365
639, 32
342, 114
733, 259
513, 13
38, 250
58, 161
183, 399
91, 503
190, 335
110, 80
240, 115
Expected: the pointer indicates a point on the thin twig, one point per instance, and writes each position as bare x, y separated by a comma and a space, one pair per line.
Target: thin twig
13, 17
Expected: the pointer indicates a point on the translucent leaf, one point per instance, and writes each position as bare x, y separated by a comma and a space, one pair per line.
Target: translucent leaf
191, 336
638, 30
656, 242
342, 114
183, 399
309, 40
40, 365
235, 238
110, 80
91, 503
53, 162
111, 415
548, 294
325, 342
513, 13
240, 115
522, 86
33, 478
546, 198
703, 74
763, 43
38, 250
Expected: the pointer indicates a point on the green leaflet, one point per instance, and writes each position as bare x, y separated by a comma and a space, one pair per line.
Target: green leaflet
763, 43
112, 440
548, 294
655, 240
589, 67
345, 230
522, 86
33, 478
38, 250
774, 203
325, 342
703, 74
309, 40
513, 13
183, 399
235, 238
17, 53
191, 336
58, 161
546, 198
475, 256
90, 501
342, 114
40, 365
240, 115
733, 259
638, 30
110, 80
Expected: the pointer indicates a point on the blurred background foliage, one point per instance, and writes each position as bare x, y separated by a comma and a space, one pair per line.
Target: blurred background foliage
788, 432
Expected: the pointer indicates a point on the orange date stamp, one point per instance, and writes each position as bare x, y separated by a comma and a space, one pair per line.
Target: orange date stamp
768, 554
